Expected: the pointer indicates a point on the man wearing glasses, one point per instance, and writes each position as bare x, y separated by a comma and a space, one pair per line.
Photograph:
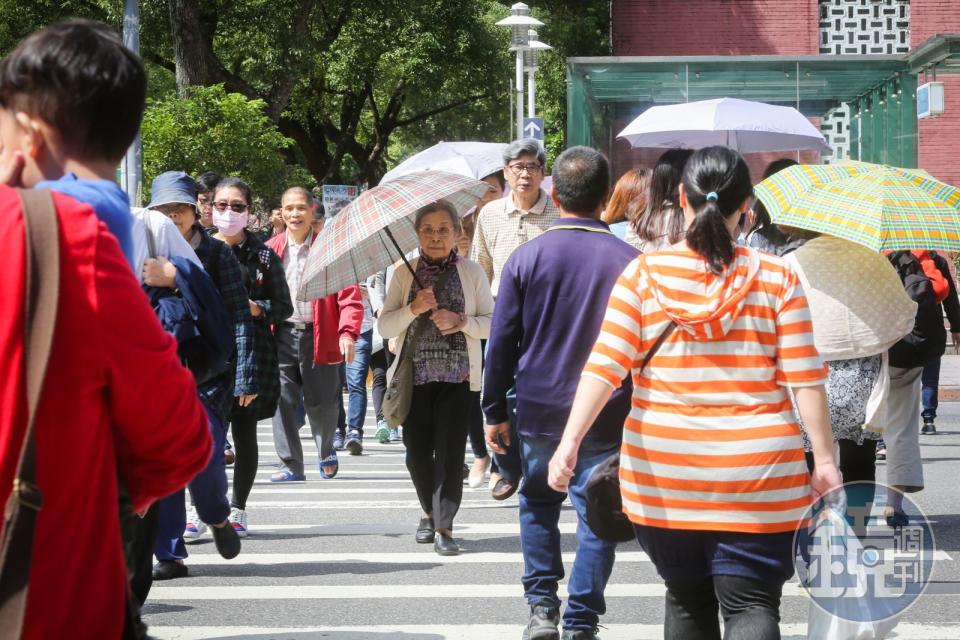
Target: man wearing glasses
502, 226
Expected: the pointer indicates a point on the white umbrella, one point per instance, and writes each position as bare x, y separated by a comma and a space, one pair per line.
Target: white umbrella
471, 159
745, 126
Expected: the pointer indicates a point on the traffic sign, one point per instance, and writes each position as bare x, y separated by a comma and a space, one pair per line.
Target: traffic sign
533, 128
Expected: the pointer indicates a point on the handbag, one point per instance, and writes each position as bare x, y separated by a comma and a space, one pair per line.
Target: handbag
26, 499
399, 394
604, 503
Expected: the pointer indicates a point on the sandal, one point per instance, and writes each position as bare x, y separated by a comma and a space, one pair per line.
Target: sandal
287, 476
329, 462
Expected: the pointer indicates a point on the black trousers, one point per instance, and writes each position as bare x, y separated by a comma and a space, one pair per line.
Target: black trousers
858, 462
435, 434
750, 609
244, 426
379, 365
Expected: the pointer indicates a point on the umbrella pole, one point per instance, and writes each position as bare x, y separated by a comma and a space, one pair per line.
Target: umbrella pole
402, 256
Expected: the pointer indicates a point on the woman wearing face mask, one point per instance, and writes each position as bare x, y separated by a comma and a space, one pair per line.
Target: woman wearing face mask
270, 304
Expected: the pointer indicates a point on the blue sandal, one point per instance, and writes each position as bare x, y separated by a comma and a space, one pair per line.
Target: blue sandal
287, 476
329, 461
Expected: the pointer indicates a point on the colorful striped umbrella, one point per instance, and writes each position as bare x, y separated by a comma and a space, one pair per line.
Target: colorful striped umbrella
376, 229
878, 206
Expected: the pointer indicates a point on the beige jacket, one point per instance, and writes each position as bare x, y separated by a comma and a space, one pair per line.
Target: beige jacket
396, 315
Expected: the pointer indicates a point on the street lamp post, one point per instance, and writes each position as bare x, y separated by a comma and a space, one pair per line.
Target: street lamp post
532, 62
132, 167
519, 22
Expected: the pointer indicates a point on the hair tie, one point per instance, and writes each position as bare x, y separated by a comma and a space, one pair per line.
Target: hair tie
713, 196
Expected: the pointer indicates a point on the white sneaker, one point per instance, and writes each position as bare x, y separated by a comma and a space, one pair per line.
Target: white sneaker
195, 527
238, 520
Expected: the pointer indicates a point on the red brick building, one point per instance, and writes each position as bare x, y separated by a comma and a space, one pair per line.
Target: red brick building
801, 28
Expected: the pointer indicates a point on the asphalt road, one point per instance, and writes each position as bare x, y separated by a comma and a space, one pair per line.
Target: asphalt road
337, 559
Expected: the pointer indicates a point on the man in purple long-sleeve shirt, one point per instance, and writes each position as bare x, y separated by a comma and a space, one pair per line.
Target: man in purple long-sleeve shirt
552, 298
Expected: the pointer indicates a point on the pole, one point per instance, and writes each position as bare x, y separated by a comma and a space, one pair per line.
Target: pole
519, 93
510, 115
531, 94
132, 168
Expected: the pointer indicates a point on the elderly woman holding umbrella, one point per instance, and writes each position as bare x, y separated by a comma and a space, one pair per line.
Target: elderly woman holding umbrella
439, 312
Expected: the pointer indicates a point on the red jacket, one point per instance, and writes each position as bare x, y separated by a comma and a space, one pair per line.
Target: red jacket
338, 314
115, 400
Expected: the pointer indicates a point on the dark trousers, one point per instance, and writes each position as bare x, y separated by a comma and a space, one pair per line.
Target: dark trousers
478, 440
750, 609
244, 426
209, 492
858, 462
435, 434
304, 386
142, 538
378, 364
930, 381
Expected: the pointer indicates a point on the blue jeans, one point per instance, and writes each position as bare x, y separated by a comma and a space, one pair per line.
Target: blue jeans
930, 379
540, 536
357, 382
209, 492
508, 463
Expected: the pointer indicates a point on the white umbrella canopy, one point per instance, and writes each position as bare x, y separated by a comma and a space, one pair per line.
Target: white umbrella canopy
471, 159
747, 127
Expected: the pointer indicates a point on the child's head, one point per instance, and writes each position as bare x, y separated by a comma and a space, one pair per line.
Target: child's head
70, 92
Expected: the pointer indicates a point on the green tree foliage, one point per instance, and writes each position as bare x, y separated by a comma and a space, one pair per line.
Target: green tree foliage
212, 130
357, 85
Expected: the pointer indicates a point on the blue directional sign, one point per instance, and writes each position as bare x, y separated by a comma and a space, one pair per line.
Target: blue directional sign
533, 128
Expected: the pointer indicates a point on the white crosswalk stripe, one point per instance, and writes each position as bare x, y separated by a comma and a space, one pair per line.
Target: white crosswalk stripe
336, 559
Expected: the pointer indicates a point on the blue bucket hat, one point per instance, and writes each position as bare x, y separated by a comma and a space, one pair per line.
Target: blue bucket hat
173, 187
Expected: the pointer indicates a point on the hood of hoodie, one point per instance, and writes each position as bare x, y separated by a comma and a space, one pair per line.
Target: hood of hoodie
702, 303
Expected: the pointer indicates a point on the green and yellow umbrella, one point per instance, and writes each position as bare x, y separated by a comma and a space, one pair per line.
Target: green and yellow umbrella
878, 206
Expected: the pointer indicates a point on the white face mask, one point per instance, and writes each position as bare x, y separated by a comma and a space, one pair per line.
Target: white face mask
229, 222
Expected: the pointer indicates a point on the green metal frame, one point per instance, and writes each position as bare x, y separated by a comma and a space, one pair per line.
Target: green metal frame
604, 94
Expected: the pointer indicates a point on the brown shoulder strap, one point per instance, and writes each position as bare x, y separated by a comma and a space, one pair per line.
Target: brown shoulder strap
656, 345
42, 293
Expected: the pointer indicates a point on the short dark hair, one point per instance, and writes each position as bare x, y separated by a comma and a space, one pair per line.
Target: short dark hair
208, 181
79, 78
581, 180
236, 183
498, 176
303, 191
722, 174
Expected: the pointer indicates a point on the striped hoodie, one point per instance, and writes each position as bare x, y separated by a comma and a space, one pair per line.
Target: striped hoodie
711, 442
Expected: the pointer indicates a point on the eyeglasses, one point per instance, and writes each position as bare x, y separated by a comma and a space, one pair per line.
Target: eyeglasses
520, 167
236, 207
443, 232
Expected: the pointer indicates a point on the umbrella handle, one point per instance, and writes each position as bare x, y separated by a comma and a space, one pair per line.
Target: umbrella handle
403, 257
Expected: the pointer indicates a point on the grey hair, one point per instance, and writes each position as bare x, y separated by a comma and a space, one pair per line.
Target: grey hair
439, 205
527, 146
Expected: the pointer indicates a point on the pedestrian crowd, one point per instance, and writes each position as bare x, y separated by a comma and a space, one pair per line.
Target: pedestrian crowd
667, 324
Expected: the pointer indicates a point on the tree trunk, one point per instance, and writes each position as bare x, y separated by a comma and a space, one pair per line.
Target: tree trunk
196, 64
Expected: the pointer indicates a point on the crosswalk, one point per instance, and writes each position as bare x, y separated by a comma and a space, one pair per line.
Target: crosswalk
337, 559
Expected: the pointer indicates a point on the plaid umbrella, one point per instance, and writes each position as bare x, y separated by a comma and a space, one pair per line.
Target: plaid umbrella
376, 229
881, 207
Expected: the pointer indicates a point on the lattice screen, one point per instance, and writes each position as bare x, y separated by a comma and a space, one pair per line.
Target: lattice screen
864, 26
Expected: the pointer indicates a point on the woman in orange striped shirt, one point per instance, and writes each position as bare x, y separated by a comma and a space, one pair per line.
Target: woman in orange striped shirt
712, 473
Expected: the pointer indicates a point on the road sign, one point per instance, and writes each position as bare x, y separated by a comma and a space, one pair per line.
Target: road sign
533, 128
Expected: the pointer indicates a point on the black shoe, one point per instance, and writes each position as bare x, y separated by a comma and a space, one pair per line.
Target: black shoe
543, 623
169, 569
929, 428
579, 634
466, 471
425, 532
444, 545
896, 519
227, 541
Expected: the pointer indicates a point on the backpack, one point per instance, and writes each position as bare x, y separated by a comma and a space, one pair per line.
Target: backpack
197, 317
928, 340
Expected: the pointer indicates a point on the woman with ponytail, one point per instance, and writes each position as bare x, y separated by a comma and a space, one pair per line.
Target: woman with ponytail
713, 474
